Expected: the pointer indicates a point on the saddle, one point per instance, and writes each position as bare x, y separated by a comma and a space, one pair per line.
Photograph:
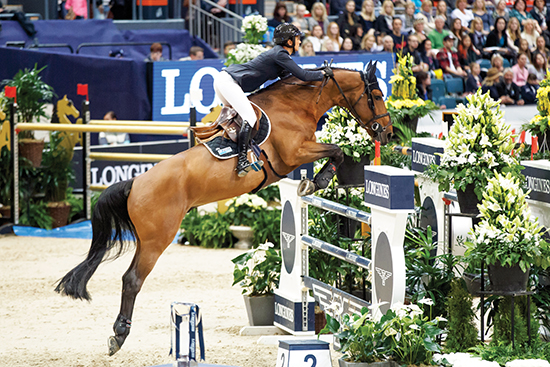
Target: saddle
227, 125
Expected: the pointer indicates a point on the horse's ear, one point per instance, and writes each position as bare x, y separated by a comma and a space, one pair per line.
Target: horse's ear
371, 71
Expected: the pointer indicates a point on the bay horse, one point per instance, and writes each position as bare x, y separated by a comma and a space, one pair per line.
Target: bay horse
153, 204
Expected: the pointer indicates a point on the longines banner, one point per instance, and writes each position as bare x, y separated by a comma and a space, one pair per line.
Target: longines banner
175, 82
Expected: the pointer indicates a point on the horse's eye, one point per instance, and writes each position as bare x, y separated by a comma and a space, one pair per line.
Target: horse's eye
378, 98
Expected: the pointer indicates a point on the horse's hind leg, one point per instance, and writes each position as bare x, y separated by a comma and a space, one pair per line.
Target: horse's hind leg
147, 254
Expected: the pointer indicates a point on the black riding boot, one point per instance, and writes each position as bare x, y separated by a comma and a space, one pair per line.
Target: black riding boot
243, 165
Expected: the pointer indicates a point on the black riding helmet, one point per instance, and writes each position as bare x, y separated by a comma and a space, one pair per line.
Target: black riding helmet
285, 32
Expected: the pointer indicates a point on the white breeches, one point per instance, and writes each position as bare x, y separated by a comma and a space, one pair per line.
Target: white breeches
231, 94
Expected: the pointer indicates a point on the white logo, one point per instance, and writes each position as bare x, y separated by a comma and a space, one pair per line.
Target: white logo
288, 238
384, 275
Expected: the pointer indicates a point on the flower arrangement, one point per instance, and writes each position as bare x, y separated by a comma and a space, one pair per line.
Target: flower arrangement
506, 233
242, 209
479, 143
539, 124
254, 28
258, 270
404, 103
342, 129
403, 334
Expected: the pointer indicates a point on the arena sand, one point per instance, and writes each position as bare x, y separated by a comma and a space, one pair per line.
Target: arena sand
38, 327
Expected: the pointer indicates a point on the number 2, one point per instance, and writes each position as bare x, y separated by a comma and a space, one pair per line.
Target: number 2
312, 357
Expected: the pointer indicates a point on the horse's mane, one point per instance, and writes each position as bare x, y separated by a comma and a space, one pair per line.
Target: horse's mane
292, 79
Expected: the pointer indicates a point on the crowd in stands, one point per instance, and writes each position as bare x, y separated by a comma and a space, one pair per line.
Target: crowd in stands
501, 47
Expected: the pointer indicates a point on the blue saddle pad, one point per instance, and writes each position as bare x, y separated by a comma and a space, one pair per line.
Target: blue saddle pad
224, 148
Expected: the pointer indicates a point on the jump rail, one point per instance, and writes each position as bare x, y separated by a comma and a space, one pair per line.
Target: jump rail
86, 128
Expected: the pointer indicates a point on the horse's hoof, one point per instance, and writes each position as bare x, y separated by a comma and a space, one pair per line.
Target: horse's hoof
113, 345
306, 187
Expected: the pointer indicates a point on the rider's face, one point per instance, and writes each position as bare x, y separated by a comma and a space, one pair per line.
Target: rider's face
297, 43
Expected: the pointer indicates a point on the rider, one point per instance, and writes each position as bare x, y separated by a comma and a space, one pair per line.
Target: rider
232, 83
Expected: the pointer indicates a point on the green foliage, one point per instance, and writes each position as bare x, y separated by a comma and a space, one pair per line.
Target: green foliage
270, 193
267, 226
35, 214
258, 270
207, 229
6, 176
503, 322
76, 203
462, 332
243, 209
57, 170
32, 94
503, 352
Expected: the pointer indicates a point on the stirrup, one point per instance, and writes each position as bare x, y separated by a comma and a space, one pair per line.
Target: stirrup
243, 171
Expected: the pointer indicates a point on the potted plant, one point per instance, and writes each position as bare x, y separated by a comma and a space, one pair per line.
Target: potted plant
403, 336
257, 271
32, 95
404, 105
506, 239
254, 28
242, 212
479, 144
342, 129
538, 125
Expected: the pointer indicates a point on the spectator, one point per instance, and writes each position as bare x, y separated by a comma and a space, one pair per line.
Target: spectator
101, 9
388, 44
520, 71
524, 48
399, 39
429, 56
463, 14
477, 34
78, 9
457, 31
195, 53
514, 34
539, 66
367, 16
280, 15
348, 21
347, 44
501, 11
426, 14
467, 53
541, 14
529, 90
442, 9
155, 54
437, 35
319, 14
423, 85
334, 35
412, 49
497, 62
490, 82
408, 18
473, 82
316, 38
520, 11
306, 23
480, 11
497, 40
306, 48
337, 6
369, 44
418, 30
541, 48
509, 93
383, 23
113, 138
228, 46
330, 45
529, 33
448, 59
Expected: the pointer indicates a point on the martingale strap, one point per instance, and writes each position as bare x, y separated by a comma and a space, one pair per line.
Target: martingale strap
259, 187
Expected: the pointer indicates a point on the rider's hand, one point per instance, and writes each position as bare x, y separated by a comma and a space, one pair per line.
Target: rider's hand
328, 72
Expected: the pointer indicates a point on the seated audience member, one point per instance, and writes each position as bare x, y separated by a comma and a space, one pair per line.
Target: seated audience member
429, 56
369, 44
347, 45
467, 53
497, 62
228, 46
330, 45
529, 33
399, 39
423, 85
514, 34
490, 83
76, 9
541, 48
539, 66
426, 14
418, 30
497, 40
462, 13
508, 91
348, 21
316, 38
306, 23
520, 71
456, 30
195, 53
408, 18
480, 11
448, 59
541, 13
473, 82
337, 7
501, 11
437, 35
367, 16
529, 90
442, 10
524, 48
412, 49
387, 42
383, 23
519, 10
306, 48
319, 15
155, 54
280, 15
106, 138
477, 34
333, 34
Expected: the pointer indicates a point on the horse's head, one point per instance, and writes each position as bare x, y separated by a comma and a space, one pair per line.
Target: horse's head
65, 107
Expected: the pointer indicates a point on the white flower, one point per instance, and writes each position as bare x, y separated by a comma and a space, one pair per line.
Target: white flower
414, 327
528, 363
426, 301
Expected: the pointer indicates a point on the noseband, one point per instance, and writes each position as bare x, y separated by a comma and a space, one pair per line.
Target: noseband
372, 124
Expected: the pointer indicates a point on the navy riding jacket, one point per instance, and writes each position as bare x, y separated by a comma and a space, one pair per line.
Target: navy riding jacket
267, 66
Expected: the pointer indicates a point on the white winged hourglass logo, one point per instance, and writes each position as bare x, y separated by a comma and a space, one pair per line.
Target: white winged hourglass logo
288, 238
384, 275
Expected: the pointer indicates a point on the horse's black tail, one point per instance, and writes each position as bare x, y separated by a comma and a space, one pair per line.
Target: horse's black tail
110, 225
